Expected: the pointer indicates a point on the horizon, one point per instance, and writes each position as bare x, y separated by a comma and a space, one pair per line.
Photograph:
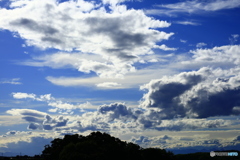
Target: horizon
156, 73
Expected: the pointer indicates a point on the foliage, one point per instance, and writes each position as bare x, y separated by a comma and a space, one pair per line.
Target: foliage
99, 146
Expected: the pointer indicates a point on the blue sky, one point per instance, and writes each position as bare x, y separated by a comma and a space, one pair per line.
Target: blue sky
157, 73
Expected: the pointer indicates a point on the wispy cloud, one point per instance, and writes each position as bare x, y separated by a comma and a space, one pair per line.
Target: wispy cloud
194, 7
14, 81
187, 23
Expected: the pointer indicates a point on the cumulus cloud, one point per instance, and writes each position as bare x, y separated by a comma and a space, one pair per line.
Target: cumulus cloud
198, 94
20, 95
163, 93
39, 120
225, 57
119, 36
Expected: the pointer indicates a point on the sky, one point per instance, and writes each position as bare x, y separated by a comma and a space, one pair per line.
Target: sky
157, 73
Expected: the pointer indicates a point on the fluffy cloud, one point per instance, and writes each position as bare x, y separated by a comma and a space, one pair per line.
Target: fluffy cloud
20, 95
163, 93
193, 94
224, 56
119, 36
39, 120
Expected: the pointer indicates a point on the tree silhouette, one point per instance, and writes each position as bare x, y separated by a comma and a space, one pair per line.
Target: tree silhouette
99, 146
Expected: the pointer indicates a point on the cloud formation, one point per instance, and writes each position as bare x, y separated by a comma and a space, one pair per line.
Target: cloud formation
194, 7
199, 94
15, 81
119, 36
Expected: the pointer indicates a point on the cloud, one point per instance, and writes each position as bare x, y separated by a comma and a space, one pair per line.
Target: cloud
20, 95
108, 85
199, 94
18, 133
200, 45
187, 23
130, 80
51, 101
32, 146
234, 38
165, 48
163, 92
26, 112
192, 124
225, 57
39, 120
14, 81
194, 7
119, 36
183, 41
116, 111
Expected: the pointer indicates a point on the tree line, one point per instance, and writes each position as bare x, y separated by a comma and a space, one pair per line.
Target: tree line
102, 146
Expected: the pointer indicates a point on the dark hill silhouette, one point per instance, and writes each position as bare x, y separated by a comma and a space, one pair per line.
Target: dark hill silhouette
100, 146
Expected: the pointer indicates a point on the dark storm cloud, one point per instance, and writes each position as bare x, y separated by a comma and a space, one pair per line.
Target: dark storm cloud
164, 94
193, 94
34, 26
220, 101
116, 111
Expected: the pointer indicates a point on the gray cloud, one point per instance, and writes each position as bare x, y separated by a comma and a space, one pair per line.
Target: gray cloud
39, 120
34, 26
120, 37
116, 111
193, 94
164, 93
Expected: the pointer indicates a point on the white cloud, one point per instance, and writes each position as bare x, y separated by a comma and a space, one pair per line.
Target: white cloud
187, 23
26, 112
108, 85
58, 105
183, 41
129, 34
133, 80
165, 48
11, 81
224, 57
20, 95
234, 38
194, 6
200, 45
